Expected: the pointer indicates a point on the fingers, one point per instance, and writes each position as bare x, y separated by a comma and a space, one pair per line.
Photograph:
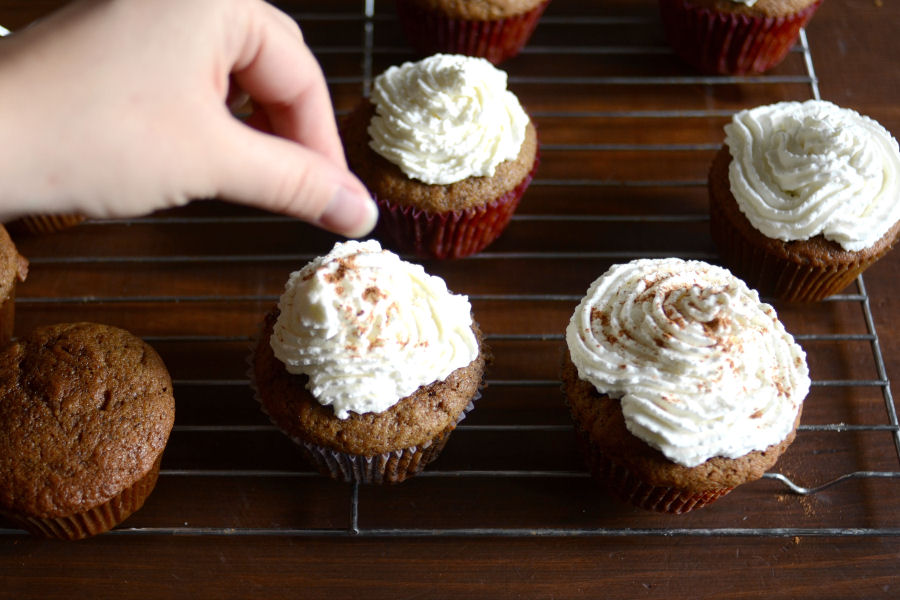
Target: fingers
305, 174
277, 70
281, 176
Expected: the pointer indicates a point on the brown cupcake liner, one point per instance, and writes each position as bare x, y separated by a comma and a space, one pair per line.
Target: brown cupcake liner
454, 234
430, 32
388, 467
777, 276
631, 488
96, 520
721, 43
42, 224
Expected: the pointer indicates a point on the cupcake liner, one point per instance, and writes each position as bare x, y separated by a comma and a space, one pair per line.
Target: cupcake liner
430, 32
721, 43
41, 224
454, 234
95, 520
629, 487
387, 467
776, 276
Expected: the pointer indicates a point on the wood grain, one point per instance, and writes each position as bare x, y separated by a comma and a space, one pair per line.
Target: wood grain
508, 510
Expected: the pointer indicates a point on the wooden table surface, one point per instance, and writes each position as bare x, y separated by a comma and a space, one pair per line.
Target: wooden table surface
627, 134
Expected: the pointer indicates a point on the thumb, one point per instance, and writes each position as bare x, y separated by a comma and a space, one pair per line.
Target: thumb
278, 175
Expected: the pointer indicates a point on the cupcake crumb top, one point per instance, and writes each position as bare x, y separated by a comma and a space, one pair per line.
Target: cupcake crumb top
479, 10
761, 8
85, 412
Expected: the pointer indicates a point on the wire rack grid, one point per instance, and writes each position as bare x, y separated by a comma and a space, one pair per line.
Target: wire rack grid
544, 482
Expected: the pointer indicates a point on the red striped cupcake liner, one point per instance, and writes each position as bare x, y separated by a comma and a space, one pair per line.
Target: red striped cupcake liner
454, 234
730, 44
779, 277
631, 488
42, 224
430, 32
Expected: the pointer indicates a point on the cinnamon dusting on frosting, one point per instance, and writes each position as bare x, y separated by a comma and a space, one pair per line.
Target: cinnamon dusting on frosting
369, 329
691, 335
373, 294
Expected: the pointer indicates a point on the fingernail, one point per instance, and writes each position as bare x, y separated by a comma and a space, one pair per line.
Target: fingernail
350, 213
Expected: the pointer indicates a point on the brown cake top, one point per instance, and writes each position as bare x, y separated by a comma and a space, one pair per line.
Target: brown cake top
478, 10
13, 266
385, 180
763, 8
412, 421
85, 411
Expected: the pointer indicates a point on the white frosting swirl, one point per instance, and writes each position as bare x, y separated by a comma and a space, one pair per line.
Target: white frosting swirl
803, 169
368, 329
445, 118
701, 366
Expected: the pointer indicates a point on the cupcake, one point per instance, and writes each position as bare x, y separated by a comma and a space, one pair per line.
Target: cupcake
682, 385
734, 37
85, 413
13, 268
41, 224
446, 151
804, 196
492, 29
368, 363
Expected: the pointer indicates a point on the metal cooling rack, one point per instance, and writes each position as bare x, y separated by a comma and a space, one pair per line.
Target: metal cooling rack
368, 20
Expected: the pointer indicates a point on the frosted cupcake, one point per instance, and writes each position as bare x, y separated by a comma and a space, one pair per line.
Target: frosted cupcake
734, 37
681, 383
368, 363
804, 196
446, 151
492, 29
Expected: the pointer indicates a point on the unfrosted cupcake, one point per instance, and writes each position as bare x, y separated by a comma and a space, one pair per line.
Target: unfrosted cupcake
85, 414
13, 269
446, 151
804, 196
681, 383
491, 29
734, 37
368, 363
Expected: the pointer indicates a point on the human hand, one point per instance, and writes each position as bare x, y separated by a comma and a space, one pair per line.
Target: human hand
116, 108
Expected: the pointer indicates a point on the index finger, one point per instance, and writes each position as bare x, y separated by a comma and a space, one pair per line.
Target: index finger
279, 72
